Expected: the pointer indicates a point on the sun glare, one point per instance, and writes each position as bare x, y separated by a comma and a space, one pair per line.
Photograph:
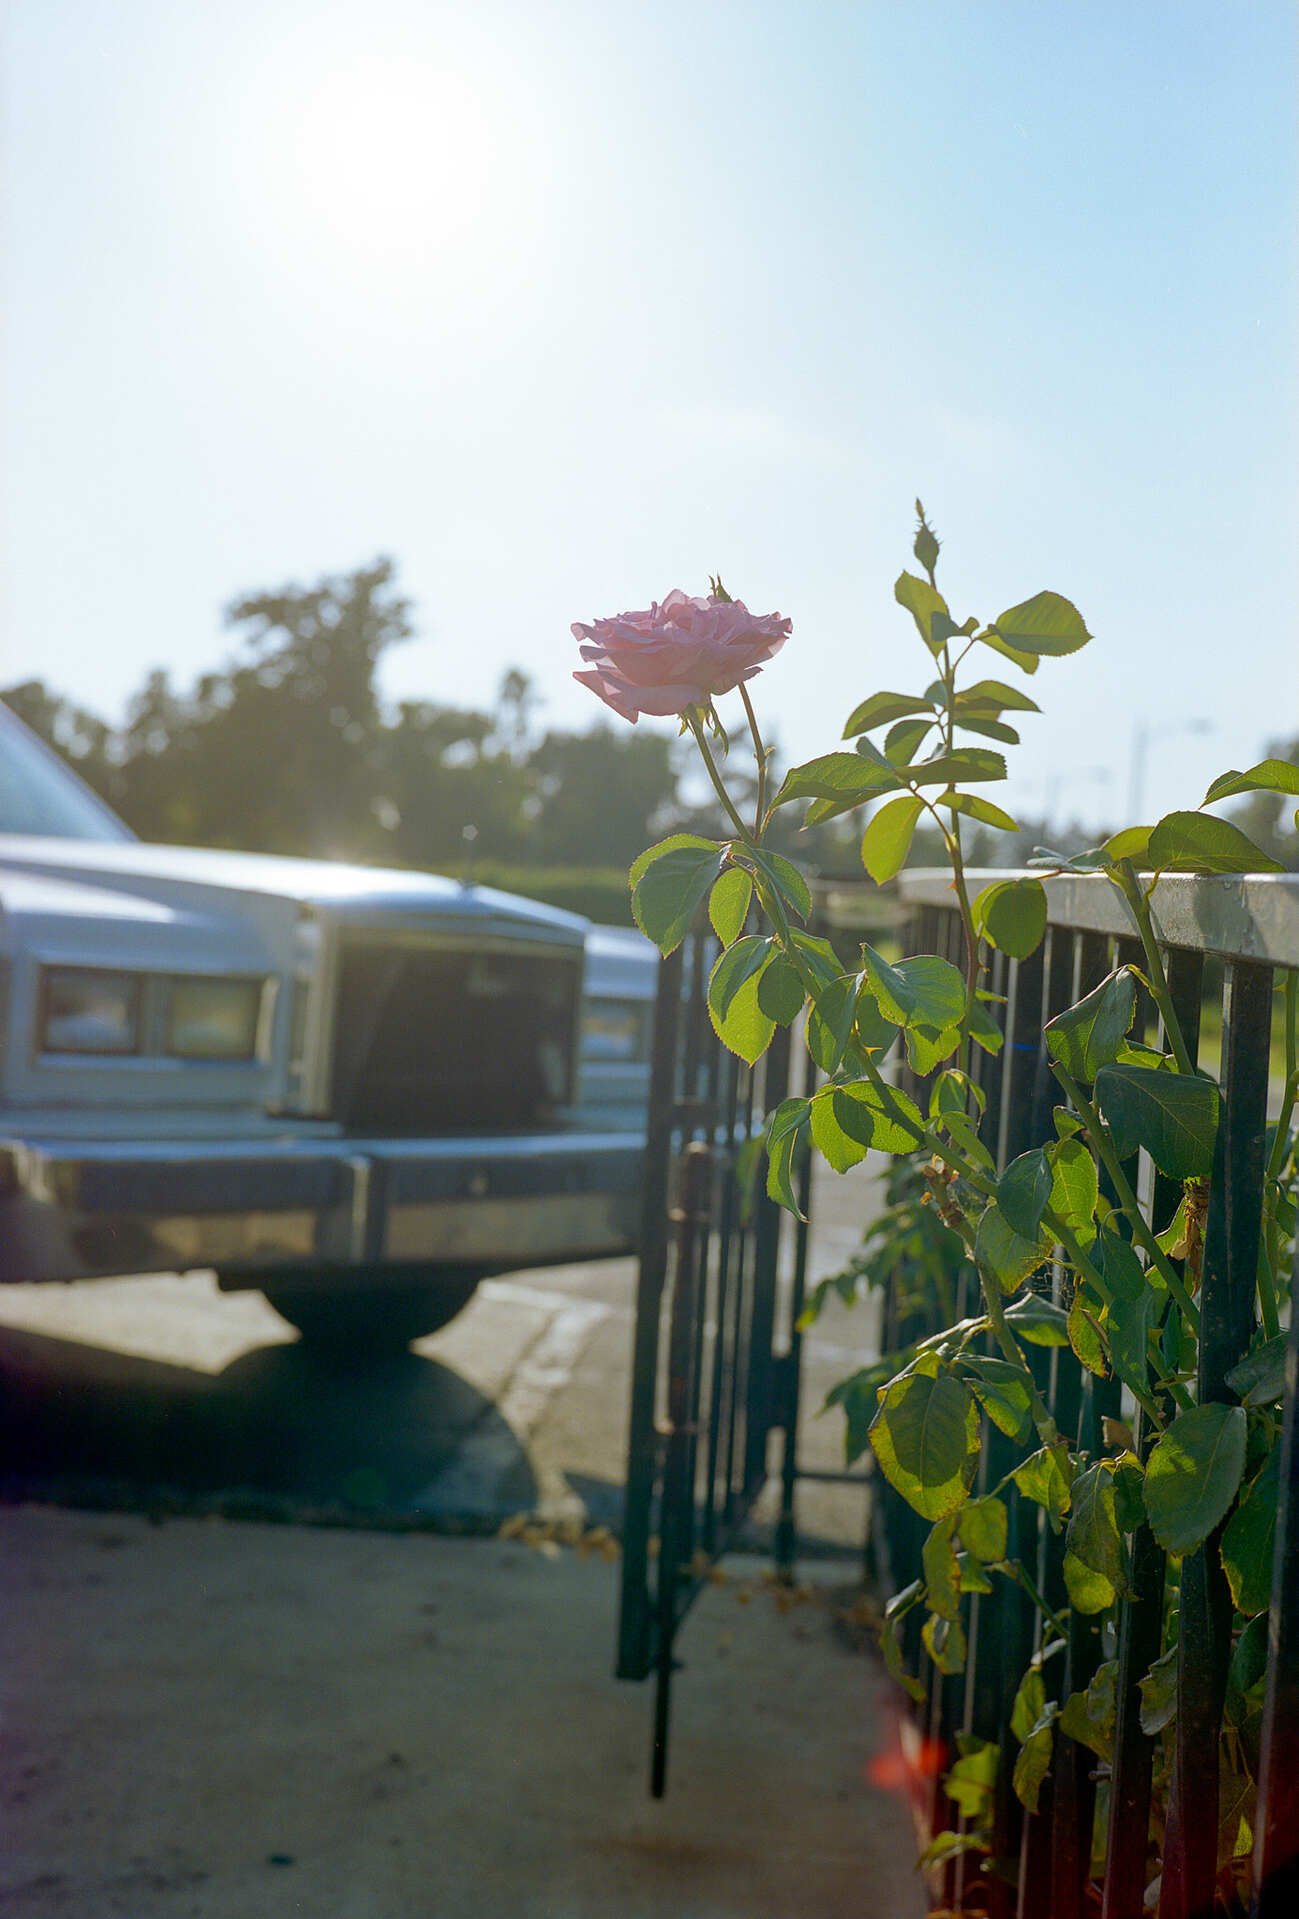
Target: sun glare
393, 156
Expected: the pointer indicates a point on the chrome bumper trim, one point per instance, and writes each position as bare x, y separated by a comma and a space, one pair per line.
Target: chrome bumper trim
96, 1208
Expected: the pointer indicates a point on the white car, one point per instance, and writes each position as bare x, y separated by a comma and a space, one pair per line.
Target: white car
359, 1091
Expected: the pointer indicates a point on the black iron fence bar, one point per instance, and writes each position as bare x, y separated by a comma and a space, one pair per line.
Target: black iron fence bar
1276, 1837
678, 1500
1226, 1322
1253, 924
1140, 1629
635, 1629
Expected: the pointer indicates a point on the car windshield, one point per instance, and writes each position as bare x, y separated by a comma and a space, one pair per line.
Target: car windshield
39, 795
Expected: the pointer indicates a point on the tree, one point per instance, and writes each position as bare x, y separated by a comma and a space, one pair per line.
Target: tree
599, 794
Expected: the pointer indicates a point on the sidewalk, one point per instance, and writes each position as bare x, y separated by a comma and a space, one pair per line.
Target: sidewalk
205, 1720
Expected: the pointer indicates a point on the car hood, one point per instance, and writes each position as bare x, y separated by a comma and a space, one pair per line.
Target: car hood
200, 875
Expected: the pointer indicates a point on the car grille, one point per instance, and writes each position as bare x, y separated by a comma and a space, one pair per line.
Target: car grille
438, 1039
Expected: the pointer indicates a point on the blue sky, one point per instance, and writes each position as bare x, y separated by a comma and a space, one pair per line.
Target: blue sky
563, 305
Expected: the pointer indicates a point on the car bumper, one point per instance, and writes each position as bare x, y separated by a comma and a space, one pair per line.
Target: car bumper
92, 1208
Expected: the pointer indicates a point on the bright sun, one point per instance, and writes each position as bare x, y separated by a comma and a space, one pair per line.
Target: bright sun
394, 156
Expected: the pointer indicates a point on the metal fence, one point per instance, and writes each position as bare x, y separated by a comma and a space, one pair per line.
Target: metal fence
704, 1369
1224, 940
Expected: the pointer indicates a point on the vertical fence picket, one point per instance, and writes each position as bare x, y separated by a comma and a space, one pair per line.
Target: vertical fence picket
1226, 1322
1055, 1848
1276, 1840
1141, 1613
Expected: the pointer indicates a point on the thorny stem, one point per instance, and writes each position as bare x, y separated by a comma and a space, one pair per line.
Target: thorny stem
1020, 1574
719, 788
760, 754
1139, 906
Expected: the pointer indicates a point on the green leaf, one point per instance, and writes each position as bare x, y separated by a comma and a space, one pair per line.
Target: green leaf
923, 991
841, 780
1193, 1474
1090, 1034
1006, 1255
882, 708
989, 728
1048, 623
1086, 1313
927, 1046
977, 808
1249, 1662
955, 1092
970, 1782
1199, 843
1075, 1188
887, 839
830, 1022
1259, 1379
1131, 1313
1132, 843
997, 696
902, 740
1092, 1536
738, 1019
984, 1030
1159, 1694
818, 956
1012, 915
1038, 1320
780, 990
1003, 1394
884, 1118
787, 1129
838, 1148
669, 882
1027, 662
786, 879
941, 1570
983, 1526
728, 903
945, 1643
1023, 1191
970, 763
1173, 1115
926, 1439
1088, 1590
1028, 1704
1248, 1542
1269, 776
891, 1639
927, 608
973, 1577
1045, 1476
1088, 1717
1033, 1761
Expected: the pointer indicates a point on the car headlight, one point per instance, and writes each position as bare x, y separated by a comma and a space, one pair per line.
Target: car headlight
212, 1018
614, 1030
86, 1010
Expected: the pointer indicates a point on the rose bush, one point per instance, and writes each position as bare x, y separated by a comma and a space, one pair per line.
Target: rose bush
1063, 1248
680, 652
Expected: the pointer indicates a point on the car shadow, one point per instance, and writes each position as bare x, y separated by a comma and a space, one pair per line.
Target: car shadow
282, 1425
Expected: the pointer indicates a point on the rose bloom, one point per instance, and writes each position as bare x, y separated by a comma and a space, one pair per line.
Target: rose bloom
681, 652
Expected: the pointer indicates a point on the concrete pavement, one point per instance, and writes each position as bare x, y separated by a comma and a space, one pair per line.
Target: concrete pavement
226, 1721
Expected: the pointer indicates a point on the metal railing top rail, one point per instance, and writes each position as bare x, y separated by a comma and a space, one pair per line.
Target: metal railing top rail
1245, 917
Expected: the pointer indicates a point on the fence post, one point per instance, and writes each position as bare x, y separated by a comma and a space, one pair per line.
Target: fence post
1276, 1838
1226, 1322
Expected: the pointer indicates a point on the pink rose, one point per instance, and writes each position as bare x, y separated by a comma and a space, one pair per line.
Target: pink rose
681, 652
